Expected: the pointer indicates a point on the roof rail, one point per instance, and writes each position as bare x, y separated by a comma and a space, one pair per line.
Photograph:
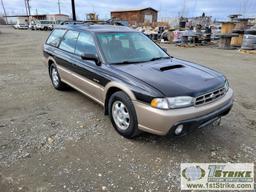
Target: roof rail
71, 22
92, 22
115, 22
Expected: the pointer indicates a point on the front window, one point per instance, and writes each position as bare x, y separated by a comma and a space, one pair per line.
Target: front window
69, 41
85, 44
129, 47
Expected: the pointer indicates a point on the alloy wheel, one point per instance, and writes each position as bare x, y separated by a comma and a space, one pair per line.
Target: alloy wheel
55, 77
120, 115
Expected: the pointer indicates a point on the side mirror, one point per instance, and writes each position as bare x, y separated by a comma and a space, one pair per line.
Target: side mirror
91, 57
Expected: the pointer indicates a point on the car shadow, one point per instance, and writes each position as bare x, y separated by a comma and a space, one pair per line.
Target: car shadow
197, 146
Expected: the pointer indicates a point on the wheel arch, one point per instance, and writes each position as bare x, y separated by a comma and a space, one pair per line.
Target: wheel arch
112, 88
49, 62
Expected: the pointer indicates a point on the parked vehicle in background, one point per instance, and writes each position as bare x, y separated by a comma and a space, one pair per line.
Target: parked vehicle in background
32, 25
44, 25
15, 26
21, 26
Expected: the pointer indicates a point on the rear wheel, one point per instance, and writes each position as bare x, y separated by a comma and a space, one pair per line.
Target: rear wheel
123, 115
55, 77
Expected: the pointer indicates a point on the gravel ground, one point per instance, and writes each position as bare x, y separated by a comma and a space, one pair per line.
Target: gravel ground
61, 141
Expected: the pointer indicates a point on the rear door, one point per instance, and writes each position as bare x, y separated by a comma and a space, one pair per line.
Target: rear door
83, 75
89, 78
64, 56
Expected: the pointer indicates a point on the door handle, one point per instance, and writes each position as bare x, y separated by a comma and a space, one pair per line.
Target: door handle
96, 80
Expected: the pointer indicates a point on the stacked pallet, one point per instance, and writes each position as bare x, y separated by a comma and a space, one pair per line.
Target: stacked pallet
227, 34
236, 34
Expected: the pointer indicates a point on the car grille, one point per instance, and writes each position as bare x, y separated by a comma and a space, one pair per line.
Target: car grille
210, 97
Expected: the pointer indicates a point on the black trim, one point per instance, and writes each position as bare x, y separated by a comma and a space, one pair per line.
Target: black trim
202, 121
87, 69
143, 97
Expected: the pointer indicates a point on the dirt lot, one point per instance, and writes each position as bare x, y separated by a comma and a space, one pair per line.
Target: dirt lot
61, 141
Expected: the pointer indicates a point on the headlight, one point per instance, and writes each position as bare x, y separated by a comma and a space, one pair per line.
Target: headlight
160, 103
172, 102
226, 86
178, 102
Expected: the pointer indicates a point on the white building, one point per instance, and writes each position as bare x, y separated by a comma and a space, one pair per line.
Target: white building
23, 19
57, 17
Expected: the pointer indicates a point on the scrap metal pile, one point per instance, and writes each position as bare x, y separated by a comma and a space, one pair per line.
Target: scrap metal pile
189, 32
235, 33
249, 40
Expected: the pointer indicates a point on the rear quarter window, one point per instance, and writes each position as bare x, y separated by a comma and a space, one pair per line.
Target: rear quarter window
55, 37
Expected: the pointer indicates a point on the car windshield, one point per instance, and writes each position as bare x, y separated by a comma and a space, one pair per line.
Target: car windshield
129, 47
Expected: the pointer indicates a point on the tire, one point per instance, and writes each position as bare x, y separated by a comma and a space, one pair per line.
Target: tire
55, 78
123, 115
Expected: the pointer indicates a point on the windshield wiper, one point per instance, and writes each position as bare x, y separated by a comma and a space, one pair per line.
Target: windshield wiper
158, 58
132, 62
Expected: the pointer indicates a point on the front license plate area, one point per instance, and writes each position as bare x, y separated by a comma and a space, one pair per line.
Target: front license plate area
214, 122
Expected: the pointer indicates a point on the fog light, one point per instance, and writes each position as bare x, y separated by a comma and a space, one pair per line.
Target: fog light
178, 130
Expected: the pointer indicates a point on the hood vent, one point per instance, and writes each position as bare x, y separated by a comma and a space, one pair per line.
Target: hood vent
171, 67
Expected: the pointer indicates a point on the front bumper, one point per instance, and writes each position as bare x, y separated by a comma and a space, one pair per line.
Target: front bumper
162, 122
199, 122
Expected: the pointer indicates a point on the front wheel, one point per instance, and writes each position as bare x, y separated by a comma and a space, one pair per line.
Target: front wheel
55, 77
123, 115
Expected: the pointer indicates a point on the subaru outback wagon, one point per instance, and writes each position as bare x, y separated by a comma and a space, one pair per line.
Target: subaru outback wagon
140, 86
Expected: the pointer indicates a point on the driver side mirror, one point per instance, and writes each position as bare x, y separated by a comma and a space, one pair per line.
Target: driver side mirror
91, 57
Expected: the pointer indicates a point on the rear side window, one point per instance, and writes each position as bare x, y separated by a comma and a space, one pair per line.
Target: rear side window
85, 44
69, 41
55, 37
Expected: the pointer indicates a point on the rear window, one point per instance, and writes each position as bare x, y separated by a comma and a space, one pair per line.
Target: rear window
45, 22
55, 37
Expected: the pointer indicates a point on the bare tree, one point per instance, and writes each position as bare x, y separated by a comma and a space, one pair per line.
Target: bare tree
244, 6
26, 7
59, 7
4, 12
2, 21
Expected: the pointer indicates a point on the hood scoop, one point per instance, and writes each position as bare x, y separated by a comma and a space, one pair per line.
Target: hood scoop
171, 67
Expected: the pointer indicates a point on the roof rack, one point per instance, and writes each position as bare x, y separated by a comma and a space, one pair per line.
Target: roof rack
92, 22
71, 22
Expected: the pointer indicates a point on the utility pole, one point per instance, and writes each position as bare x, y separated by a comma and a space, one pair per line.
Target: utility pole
26, 7
59, 6
73, 10
6, 21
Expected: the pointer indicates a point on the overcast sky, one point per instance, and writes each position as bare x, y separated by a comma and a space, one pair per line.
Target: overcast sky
167, 8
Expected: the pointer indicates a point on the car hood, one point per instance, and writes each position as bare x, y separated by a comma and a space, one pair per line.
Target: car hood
175, 77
